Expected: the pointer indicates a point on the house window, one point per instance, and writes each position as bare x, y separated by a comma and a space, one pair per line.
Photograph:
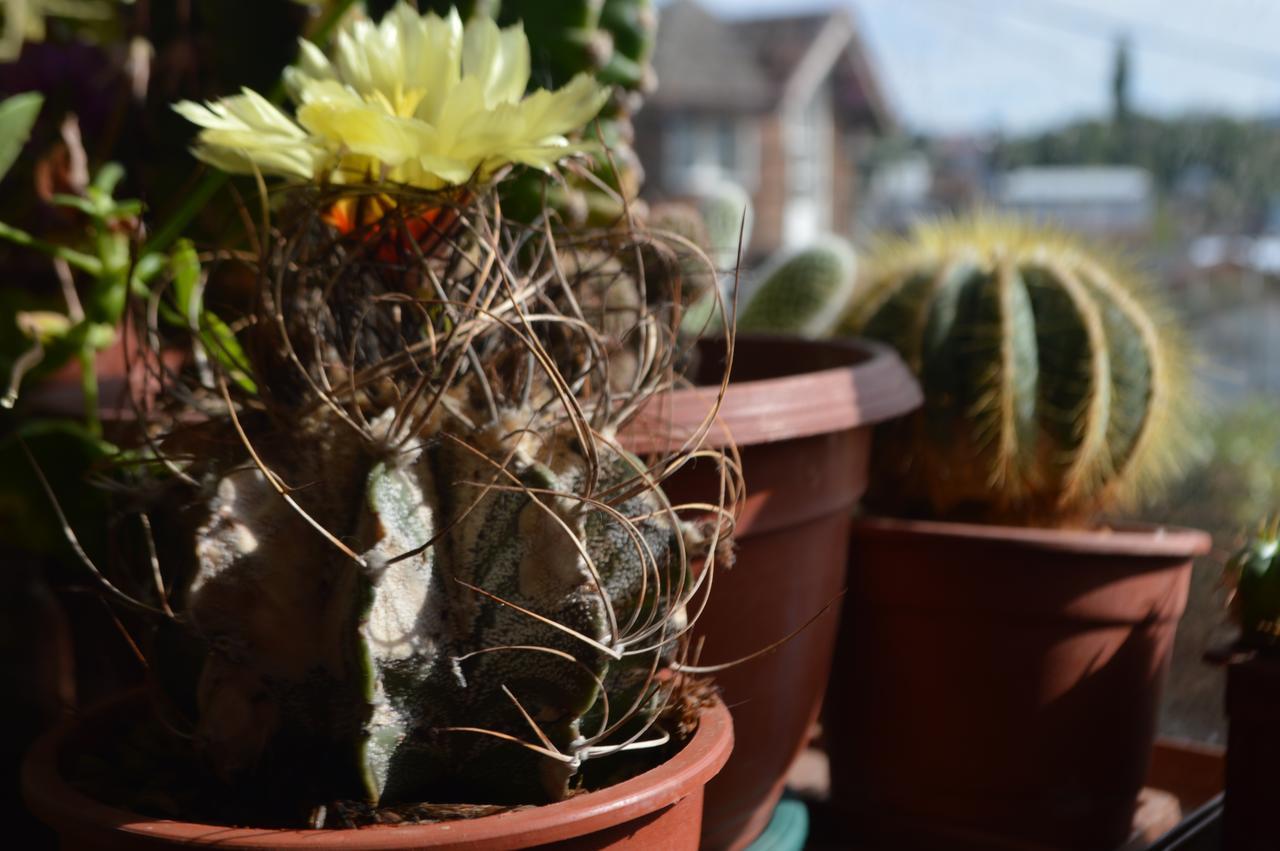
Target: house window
682, 145
810, 168
699, 147
727, 145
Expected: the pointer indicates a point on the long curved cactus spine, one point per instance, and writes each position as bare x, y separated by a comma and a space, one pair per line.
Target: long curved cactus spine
441, 577
412, 660
1055, 386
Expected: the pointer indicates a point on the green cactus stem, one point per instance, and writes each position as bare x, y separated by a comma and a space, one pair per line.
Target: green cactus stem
804, 293
1055, 385
1254, 574
421, 568
488, 602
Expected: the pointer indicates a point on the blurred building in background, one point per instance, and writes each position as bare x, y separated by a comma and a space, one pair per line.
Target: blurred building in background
783, 106
1113, 201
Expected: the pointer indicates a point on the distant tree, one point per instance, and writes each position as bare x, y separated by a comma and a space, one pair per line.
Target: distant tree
1120, 83
1122, 130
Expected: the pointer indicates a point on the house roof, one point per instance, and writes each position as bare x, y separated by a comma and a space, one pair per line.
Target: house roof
701, 65
1075, 184
759, 63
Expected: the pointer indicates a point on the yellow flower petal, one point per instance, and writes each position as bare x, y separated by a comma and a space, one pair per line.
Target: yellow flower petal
498, 58
416, 99
245, 132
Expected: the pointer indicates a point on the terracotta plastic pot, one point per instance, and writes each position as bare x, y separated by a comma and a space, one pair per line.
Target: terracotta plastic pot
998, 687
801, 414
661, 808
127, 381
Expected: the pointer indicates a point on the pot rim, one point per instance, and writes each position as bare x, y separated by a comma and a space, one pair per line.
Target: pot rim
875, 385
58, 803
1123, 539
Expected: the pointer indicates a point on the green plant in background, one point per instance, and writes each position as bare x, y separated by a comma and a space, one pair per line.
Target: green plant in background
1055, 385
91, 316
1254, 574
726, 208
804, 293
727, 217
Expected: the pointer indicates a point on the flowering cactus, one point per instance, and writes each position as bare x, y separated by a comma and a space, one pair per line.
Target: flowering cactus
416, 100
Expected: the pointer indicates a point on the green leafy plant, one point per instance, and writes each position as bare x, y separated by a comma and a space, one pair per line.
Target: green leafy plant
91, 317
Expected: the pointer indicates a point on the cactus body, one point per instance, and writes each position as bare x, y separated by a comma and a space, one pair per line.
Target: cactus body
727, 209
380, 666
1052, 384
727, 217
1254, 571
684, 271
804, 294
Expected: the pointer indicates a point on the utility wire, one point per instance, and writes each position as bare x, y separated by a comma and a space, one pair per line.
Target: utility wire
1228, 51
1193, 49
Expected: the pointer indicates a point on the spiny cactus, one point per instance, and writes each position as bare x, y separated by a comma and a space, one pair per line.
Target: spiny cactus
727, 217
1055, 386
422, 567
1254, 575
677, 264
804, 293
486, 587
730, 216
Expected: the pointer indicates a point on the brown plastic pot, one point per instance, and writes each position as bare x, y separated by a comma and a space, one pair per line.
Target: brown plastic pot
1251, 816
998, 687
661, 808
127, 383
801, 414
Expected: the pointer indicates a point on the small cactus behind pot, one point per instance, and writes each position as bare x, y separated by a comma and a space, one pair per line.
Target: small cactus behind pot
1254, 575
804, 293
727, 216
1055, 385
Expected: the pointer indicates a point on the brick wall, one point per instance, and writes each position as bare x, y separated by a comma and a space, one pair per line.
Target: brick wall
771, 195
844, 172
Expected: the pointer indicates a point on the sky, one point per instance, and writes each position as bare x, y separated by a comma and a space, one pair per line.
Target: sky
1019, 65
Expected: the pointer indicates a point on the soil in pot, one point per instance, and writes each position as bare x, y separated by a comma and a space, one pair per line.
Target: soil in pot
998, 687
801, 415
659, 808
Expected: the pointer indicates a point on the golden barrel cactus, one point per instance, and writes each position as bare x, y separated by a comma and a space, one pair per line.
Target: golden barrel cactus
1054, 381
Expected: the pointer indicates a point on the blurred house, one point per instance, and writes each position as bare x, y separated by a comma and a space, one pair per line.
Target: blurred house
1103, 201
900, 193
944, 175
779, 105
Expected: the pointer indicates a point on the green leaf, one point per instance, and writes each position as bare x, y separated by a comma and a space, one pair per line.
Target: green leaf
221, 343
76, 202
147, 267
108, 177
17, 117
186, 278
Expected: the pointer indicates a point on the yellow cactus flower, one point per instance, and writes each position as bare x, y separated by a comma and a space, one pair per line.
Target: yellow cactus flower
417, 100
